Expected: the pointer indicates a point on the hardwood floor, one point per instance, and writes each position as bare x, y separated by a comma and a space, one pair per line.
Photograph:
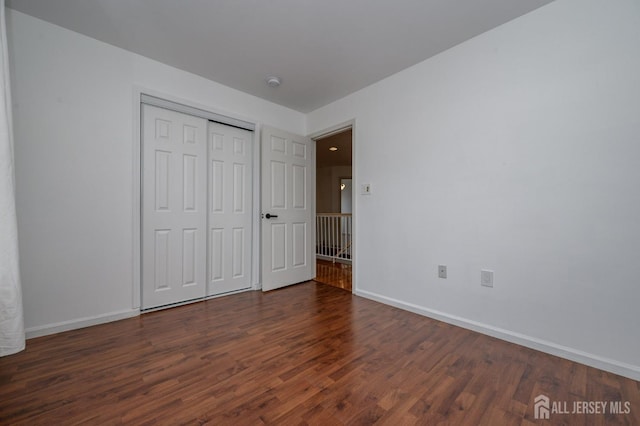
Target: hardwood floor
307, 354
334, 274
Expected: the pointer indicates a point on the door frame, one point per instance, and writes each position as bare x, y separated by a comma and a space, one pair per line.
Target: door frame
329, 131
225, 118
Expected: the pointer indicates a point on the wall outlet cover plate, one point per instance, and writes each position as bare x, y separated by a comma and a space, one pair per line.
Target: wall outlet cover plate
442, 271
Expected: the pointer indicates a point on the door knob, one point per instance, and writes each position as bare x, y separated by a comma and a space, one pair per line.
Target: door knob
269, 215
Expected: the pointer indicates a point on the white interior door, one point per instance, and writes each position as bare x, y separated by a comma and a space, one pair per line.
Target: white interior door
288, 200
174, 207
230, 208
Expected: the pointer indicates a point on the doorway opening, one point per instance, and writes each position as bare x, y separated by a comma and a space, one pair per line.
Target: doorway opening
334, 219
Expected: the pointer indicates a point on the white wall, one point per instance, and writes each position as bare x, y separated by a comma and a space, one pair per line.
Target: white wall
517, 151
346, 196
74, 137
328, 187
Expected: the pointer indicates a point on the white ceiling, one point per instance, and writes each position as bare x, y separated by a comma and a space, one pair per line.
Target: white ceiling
322, 50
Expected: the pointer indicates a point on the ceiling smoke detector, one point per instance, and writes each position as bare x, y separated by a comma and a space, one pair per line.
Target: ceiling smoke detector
273, 81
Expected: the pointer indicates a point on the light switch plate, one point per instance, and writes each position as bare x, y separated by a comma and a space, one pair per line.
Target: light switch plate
366, 189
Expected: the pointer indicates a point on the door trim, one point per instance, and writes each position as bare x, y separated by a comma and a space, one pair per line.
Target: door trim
196, 112
329, 131
222, 116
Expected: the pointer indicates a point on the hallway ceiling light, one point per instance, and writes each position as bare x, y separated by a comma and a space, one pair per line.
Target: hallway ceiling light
333, 148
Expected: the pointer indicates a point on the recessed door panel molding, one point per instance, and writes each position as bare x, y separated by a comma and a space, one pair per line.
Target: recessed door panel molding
239, 146
231, 211
189, 254
174, 210
299, 239
162, 173
161, 252
238, 253
278, 179
217, 188
190, 134
299, 183
190, 182
216, 250
163, 130
287, 192
278, 247
239, 188
278, 144
299, 150
216, 141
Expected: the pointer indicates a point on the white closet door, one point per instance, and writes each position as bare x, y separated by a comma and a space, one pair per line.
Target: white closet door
174, 207
230, 208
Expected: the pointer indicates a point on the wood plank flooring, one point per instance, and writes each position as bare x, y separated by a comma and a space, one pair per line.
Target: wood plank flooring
307, 354
334, 274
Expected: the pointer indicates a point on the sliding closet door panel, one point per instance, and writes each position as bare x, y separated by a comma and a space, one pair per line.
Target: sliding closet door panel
174, 207
230, 208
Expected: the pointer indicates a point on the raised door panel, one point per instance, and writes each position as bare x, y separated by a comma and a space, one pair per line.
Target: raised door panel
239, 188
238, 252
162, 173
161, 260
190, 182
216, 189
278, 179
299, 245
278, 247
189, 252
299, 183
216, 254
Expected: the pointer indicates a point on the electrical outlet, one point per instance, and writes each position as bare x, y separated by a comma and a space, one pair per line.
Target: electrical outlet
442, 271
486, 278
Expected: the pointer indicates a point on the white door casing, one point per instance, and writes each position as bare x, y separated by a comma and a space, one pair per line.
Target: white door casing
287, 192
230, 209
174, 207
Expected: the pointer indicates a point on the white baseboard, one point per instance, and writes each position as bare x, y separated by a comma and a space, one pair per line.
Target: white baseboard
613, 366
44, 330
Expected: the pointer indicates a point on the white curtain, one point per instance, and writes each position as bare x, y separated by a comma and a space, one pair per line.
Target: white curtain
11, 320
